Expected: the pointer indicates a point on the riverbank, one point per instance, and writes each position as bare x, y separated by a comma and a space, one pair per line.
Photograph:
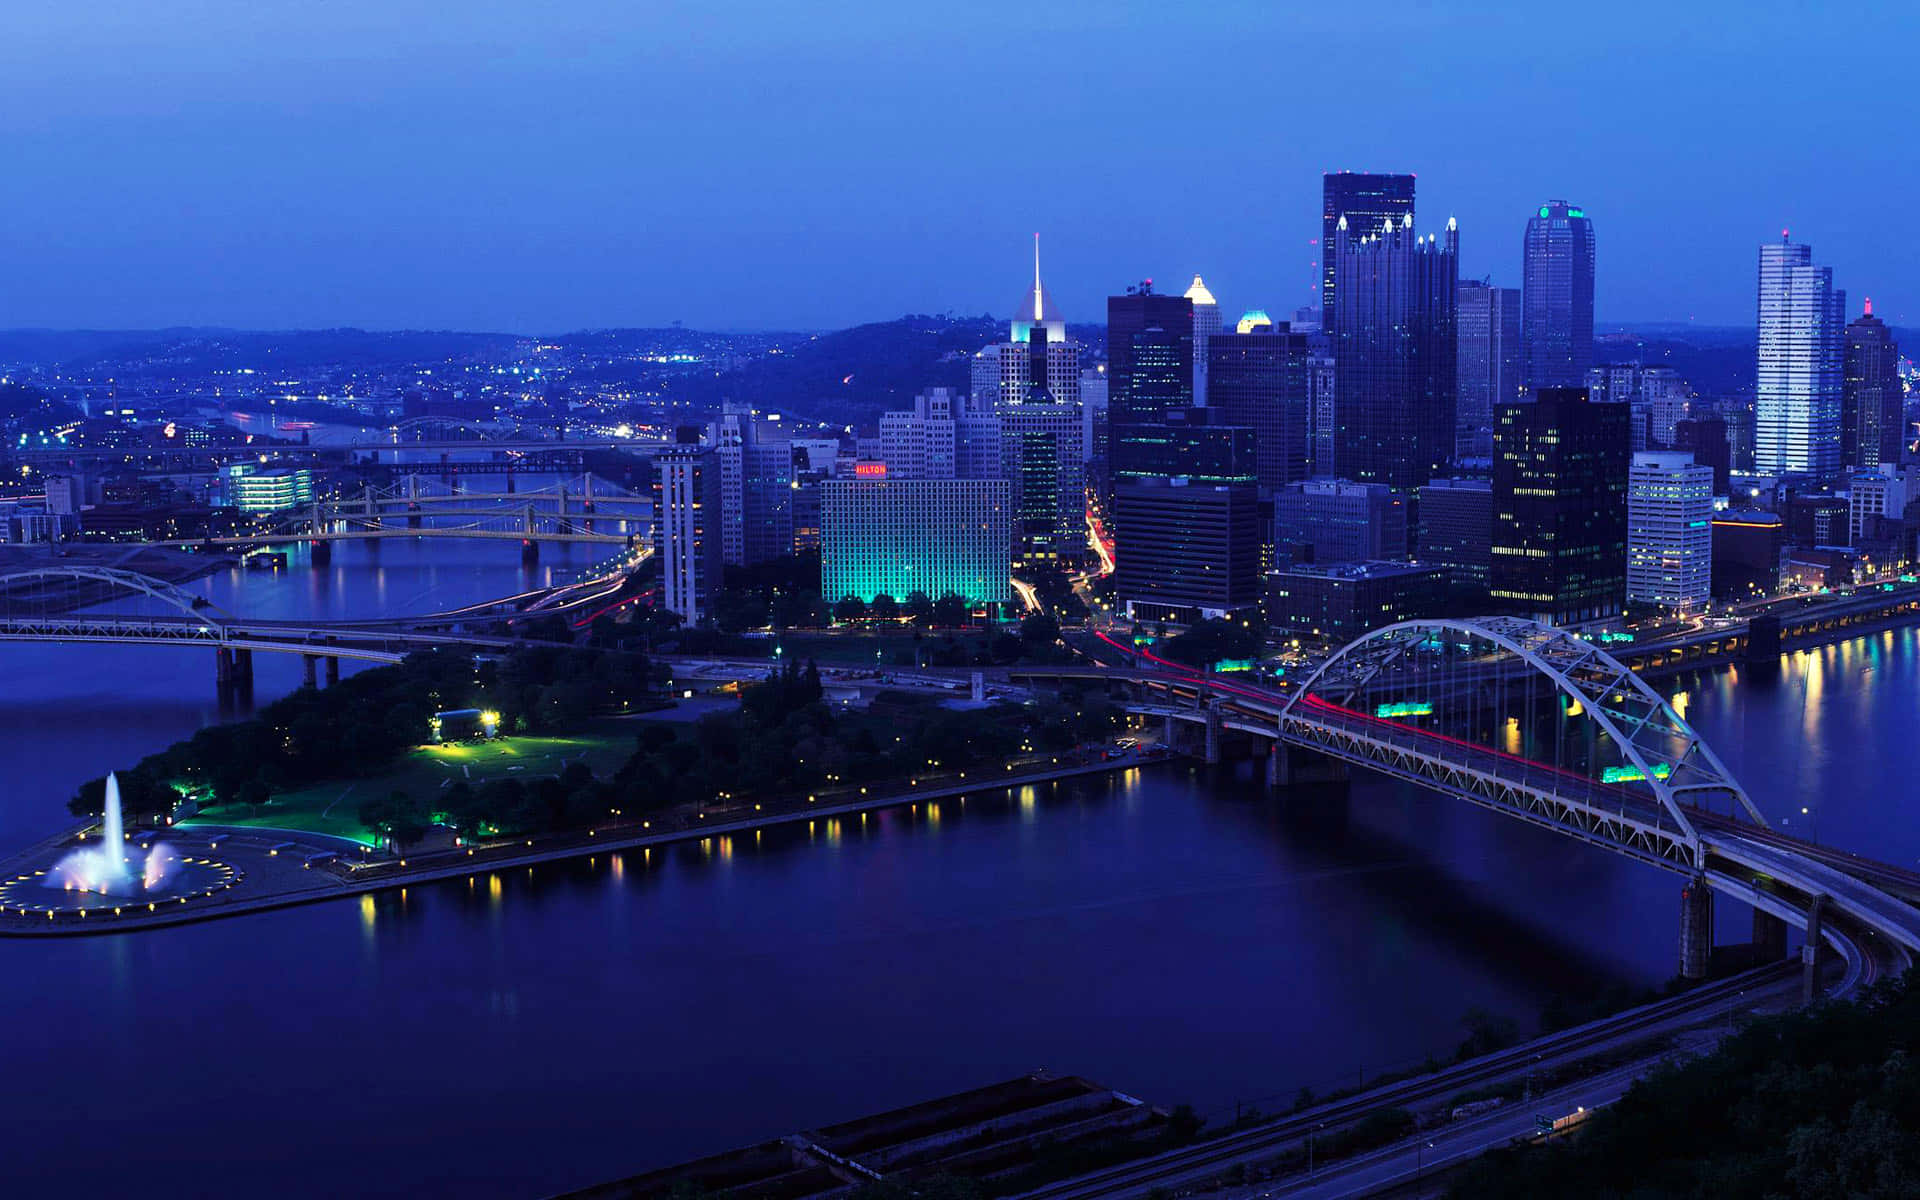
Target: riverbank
277, 872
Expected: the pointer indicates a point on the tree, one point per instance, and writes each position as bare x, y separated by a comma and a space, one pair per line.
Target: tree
1210, 641
850, 608
920, 607
398, 816
951, 611
254, 793
885, 607
1039, 631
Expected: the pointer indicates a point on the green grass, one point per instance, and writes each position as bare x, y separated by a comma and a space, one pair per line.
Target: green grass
333, 807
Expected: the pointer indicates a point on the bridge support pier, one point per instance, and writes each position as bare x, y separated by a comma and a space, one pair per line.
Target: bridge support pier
311, 664
1810, 951
1696, 928
529, 550
333, 669
223, 668
322, 553
1769, 937
243, 671
1213, 733
979, 689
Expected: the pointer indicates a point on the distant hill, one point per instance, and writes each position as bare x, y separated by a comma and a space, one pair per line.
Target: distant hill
853, 375
213, 348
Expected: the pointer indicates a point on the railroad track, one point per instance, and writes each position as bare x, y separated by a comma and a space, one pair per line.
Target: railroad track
1227, 1150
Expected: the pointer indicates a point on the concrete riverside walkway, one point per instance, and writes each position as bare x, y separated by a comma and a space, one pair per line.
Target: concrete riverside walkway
282, 880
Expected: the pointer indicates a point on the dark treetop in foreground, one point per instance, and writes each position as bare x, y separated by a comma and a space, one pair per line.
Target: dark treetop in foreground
1817, 1105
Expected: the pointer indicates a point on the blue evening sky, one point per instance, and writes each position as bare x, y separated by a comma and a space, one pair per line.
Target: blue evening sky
544, 165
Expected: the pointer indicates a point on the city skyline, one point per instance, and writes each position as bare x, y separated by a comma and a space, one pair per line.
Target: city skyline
601, 203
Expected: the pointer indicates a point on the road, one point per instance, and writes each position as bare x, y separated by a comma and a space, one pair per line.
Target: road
1767, 987
1405, 1163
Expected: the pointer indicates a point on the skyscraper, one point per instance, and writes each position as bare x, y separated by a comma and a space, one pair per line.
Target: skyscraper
1801, 363
687, 539
1037, 363
1040, 454
1161, 328
1261, 381
1456, 532
1192, 549
1395, 352
944, 436
756, 484
1206, 323
1366, 201
1556, 297
1872, 401
1669, 530
1489, 362
1560, 513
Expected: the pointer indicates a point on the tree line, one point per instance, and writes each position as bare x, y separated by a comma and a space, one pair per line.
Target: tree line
363, 724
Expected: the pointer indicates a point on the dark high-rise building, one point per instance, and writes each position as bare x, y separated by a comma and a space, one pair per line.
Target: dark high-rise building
1333, 520
1872, 401
1560, 466
1366, 201
1341, 602
1395, 352
1489, 362
1191, 549
1260, 380
1456, 532
1157, 330
1193, 443
1706, 439
1556, 301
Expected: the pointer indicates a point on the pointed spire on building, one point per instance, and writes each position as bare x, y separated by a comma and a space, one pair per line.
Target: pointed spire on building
1036, 308
1037, 293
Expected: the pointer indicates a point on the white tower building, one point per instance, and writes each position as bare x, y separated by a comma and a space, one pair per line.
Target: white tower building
1669, 530
1802, 326
1206, 323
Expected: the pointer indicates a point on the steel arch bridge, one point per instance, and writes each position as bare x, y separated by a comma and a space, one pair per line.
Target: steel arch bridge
1524, 718
186, 619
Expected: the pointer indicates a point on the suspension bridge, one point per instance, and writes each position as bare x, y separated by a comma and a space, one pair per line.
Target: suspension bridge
583, 510
530, 443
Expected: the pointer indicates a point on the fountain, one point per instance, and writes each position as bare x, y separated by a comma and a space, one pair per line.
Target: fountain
105, 870
113, 878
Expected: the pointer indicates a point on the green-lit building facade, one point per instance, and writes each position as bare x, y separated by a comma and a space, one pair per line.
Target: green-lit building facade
894, 537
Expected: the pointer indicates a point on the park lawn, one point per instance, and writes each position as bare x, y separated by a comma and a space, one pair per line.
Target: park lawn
333, 807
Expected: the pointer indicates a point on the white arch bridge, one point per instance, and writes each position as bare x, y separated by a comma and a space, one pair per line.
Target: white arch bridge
1537, 724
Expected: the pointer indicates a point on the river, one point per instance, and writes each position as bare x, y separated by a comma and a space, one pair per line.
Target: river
1178, 935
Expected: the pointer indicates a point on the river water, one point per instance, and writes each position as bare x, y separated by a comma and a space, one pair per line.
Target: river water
1178, 935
